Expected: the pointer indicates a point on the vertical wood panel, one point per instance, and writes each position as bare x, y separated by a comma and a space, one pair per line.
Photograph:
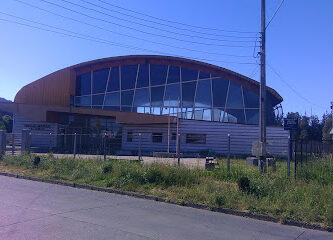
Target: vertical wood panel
51, 90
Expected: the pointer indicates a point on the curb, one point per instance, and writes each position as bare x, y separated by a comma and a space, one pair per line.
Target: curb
185, 204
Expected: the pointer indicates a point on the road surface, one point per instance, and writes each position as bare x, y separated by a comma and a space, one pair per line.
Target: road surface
34, 210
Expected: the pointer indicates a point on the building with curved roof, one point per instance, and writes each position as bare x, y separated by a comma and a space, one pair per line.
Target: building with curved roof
145, 90
154, 85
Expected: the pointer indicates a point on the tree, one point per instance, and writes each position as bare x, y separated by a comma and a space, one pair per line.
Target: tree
304, 127
2, 125
327, 129
316, 128
309, 128
6, 123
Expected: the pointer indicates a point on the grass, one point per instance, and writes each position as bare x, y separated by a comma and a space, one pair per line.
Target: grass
308, 199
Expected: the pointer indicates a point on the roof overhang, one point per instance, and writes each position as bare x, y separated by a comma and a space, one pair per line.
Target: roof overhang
41, 113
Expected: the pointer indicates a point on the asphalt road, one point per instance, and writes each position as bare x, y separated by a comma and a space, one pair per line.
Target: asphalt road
33, 210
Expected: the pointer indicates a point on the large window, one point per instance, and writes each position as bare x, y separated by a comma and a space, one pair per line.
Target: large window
188, 93
114, 80
143, 76
128, 76
158, 74
100, 79
189, 74
174, 74
167, 89
112, 99
220, 88
83, 84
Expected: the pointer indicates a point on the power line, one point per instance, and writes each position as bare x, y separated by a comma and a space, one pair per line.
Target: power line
276, 11
254, 71
141, 31
164, 24
291, 88
156, 28
99, 40
173, 22
126, 35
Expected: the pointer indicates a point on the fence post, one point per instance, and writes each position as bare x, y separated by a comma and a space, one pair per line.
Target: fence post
228, 163
139, 151
25, 140
50, 143
306, 152
74, 148
178, 149
104, 146
2, 142
289, 154
301, 152
13, 144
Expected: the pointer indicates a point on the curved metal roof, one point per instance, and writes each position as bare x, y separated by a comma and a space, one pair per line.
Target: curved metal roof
170, 60
55, 88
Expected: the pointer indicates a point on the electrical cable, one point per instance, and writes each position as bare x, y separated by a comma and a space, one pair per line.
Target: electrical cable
276, 11
291, 88
168, 25
94, 39
173, 22
126, 35
141, 31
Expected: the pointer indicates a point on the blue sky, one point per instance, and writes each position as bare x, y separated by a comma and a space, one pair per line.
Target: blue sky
299, 41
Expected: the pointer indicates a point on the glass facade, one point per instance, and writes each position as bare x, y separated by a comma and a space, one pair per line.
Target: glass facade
164, 89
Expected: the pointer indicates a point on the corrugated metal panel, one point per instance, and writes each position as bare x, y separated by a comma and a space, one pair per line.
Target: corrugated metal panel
39, 138
242, 137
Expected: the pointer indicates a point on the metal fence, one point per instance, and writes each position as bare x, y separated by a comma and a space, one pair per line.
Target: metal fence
170, 147
311, 154
146, 144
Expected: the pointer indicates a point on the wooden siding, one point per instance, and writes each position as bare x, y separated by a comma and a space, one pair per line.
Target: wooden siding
52, 90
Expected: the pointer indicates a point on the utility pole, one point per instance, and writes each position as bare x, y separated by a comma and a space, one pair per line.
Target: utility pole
262, 95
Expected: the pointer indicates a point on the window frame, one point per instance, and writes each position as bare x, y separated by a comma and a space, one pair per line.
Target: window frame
129, 136
157, 137
202, 138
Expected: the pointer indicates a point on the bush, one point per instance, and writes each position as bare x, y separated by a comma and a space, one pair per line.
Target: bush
36, 161
304, 199
244, 184
220, 200
107, 168
153, 175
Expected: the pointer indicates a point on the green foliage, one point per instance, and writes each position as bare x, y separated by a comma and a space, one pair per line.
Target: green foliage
2, 125
220, 200
181, 202
309, 198
6, 123
36, 161
244, 184
107, 167
311, 128
319, 170
327, 129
